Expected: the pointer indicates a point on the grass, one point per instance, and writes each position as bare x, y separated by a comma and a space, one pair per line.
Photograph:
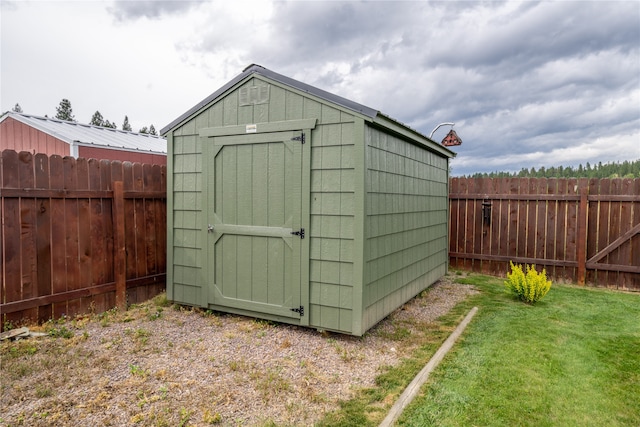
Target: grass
573, 359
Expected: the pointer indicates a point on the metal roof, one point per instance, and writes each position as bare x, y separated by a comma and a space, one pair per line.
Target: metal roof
92, 136
372, 114
258, 69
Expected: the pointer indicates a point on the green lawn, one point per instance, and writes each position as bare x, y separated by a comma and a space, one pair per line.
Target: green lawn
573, 359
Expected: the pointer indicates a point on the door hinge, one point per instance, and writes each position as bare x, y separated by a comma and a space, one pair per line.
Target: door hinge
299, 233
299, 310
299, 138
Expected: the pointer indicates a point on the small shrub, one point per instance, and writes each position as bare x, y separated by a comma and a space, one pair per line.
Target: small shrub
60, 332
161, 300
529, 285
185, 416
136, 370
43, 391
211, 418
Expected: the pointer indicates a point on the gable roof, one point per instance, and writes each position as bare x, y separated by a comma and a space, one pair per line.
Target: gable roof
92, 136
371, 114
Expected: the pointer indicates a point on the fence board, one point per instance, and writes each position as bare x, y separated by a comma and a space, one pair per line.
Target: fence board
592, 225
57, 248
11, 228
558, 224
626, 223
43, 237
550, 225
141, 229
96, 233
603, 229
12, 260
490, 231
541, 220
129, 221
149, 222
28, 280
570, 272
453, 222
71, 233
502, 232
58, 243
483, 243
84, 232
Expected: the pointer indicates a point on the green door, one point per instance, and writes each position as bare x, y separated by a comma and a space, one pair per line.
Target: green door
255, 239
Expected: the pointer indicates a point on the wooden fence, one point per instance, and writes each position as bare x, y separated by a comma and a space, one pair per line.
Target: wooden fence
78, 235
580, 230
86, 235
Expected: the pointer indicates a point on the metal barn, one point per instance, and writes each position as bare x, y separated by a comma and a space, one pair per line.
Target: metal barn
289, 203
24, 132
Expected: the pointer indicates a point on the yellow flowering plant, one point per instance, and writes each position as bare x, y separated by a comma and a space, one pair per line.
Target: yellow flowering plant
528, 285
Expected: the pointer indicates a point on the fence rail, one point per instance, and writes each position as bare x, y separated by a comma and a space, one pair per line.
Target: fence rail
78, 235
580, 230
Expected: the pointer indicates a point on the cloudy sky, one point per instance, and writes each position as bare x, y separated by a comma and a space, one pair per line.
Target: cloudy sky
526, 83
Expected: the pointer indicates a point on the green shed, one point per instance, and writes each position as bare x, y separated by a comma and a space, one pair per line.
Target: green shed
289, 203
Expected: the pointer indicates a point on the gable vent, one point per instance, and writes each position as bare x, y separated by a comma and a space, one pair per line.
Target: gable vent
254, 95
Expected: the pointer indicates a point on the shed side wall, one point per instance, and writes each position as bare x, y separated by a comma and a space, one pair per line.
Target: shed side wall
406, 229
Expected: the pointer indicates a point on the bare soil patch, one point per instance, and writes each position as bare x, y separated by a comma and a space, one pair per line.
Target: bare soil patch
158, 365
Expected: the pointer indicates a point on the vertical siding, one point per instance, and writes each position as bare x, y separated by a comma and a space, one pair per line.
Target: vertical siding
405, 222
15, 135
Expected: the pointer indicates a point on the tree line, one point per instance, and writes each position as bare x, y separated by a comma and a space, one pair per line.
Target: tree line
625, 169
64, 111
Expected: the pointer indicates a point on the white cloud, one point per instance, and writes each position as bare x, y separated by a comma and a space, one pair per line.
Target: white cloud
523, 81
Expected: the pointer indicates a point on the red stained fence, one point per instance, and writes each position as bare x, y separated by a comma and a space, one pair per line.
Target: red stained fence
86, 235
78, 235
580, 230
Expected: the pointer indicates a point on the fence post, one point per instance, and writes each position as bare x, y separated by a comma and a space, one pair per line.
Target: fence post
581, 250
120, 258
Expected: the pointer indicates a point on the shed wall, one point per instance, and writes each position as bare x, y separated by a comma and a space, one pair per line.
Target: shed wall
333, 218
332, 210
405, 222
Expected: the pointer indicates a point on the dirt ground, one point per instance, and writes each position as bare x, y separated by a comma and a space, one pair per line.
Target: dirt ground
165, 365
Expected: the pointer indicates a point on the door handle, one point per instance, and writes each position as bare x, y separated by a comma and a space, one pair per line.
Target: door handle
210, 228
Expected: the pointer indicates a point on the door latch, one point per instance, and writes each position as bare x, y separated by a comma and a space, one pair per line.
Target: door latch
210, 228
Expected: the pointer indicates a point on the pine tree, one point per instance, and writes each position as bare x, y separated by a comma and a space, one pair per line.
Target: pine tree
64, 111
97, 119
126, 126
148, 130
108, 124
17, 108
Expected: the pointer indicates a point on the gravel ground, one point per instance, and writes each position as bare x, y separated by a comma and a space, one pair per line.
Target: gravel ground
173, 366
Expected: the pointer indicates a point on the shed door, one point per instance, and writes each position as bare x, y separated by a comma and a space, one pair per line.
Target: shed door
254, 185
